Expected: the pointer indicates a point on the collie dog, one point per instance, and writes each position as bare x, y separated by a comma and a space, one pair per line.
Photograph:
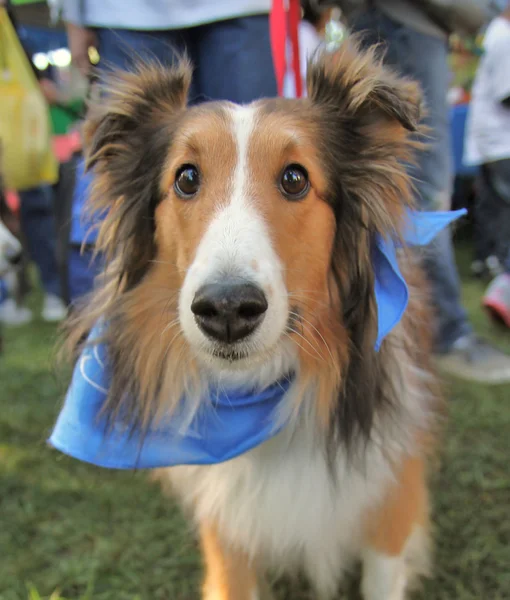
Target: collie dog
238, 242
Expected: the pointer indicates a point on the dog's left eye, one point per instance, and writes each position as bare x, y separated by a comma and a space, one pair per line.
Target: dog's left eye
187, 181
294, 182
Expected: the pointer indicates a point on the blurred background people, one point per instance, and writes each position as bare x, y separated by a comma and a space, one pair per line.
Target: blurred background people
488, 147
415, 38
37, 220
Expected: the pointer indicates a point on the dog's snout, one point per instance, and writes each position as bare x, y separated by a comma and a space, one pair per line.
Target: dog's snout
229, 312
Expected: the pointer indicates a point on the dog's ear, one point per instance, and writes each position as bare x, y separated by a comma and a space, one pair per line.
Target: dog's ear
358, 84
127, 137
368, 121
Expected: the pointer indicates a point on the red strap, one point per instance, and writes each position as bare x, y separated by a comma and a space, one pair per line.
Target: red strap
285, 25
278, 32
294, 18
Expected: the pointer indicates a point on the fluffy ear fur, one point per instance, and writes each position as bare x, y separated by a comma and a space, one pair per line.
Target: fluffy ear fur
366, 116
127, 136
358, 83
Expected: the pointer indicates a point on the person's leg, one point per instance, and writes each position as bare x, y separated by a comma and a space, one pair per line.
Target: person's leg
462, 353
405, 49
497, 297
39, 229
85, 268
486, 211
435, 180
38, 226
498, 173
121, 48
234, 60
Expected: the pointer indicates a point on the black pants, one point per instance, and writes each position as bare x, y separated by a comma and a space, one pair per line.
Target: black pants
492, 211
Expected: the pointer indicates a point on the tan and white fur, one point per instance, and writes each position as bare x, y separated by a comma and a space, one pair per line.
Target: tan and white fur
345, 480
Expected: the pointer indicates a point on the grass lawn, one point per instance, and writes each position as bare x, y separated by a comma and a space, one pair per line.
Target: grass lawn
79, 532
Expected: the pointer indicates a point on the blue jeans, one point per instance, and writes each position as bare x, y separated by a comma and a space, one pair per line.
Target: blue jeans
424, 58
39, 228
232, 61
83, 269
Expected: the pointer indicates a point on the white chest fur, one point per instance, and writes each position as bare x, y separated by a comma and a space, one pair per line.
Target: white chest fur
282, 503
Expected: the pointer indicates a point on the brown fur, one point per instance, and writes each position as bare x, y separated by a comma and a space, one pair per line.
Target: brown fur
404, 508
229, 573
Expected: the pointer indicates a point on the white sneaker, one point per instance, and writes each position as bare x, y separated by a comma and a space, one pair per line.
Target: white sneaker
14, 315
53, 309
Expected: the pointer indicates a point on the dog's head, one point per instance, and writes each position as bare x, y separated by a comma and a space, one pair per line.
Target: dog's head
239, 237
10, 250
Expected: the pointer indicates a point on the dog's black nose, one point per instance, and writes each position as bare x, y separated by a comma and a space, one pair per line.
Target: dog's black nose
229, 312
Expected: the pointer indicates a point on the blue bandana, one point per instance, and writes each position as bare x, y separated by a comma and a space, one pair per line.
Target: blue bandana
391, 293
234, 421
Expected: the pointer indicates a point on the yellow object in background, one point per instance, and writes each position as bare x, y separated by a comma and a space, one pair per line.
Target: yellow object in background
26, 155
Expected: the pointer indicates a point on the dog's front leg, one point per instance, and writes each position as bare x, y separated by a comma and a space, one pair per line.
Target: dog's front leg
396, 550
229, 575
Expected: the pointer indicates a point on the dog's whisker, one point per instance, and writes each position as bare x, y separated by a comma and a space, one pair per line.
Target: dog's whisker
304, 338
314, 328
170, 325
307, 352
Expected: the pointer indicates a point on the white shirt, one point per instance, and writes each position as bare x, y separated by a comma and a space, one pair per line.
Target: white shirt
488, 127
309, 41
158, 14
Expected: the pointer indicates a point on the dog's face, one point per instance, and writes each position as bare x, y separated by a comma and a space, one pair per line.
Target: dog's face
245, 223
239, 237
10, 250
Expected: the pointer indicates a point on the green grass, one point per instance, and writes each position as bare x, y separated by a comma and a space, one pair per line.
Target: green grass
71, 531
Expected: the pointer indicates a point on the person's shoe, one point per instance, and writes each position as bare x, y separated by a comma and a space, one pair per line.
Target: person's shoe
13, 315
479, 269
497, 298
494, 266
486, 269
473, 359
54, 309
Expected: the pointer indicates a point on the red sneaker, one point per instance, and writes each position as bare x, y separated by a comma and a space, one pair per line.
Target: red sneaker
497, 298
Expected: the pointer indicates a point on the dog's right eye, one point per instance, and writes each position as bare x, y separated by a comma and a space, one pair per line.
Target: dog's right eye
187, 181
294, 182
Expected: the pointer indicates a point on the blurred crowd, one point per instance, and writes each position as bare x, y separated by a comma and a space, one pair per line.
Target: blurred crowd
249, 49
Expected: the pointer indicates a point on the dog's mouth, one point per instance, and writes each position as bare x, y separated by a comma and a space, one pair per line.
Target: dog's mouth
231, 355
236, 353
